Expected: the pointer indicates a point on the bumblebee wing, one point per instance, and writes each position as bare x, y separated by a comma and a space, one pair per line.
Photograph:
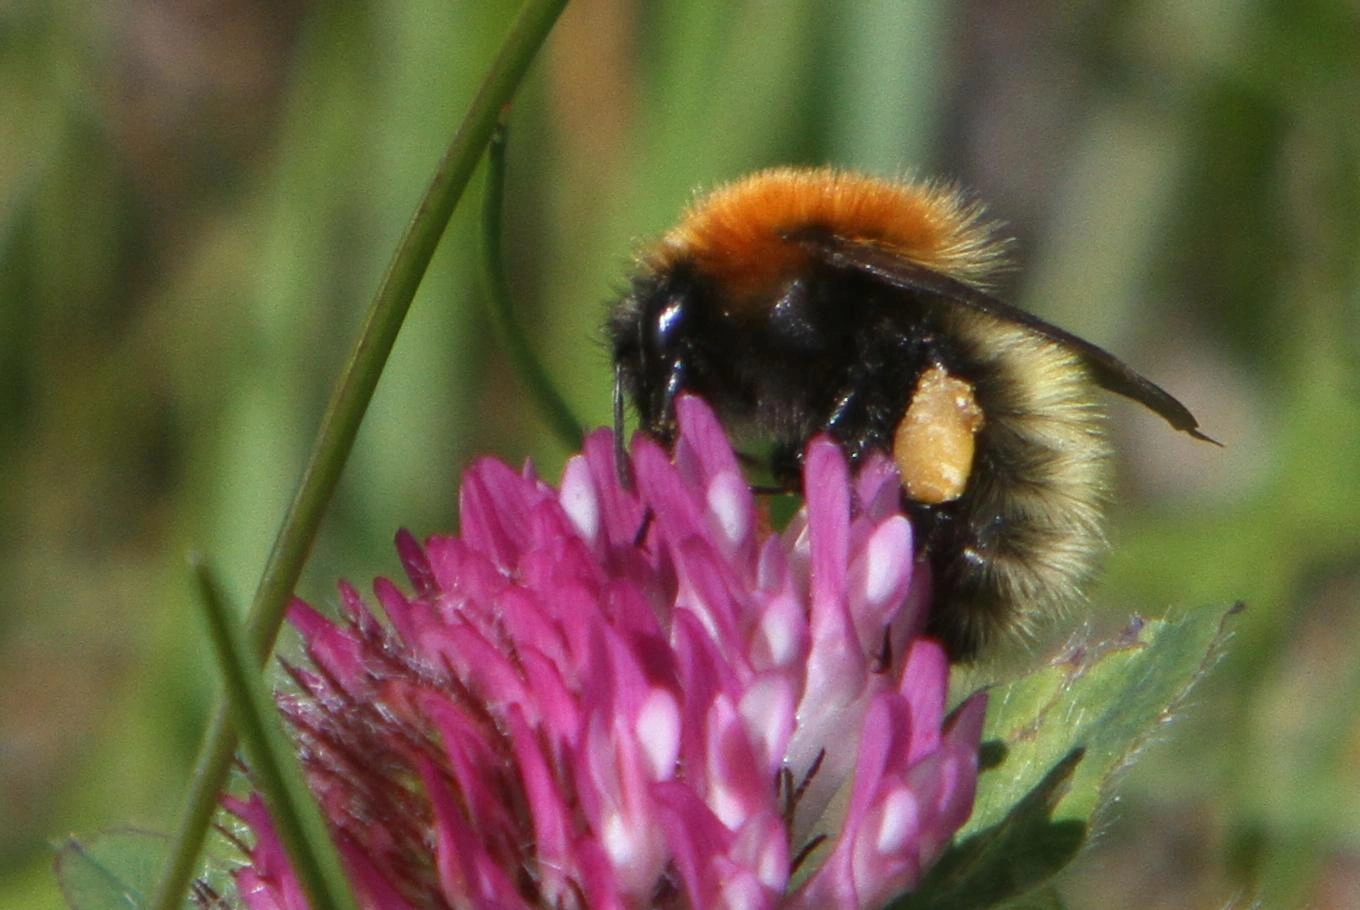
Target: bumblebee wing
1107, 370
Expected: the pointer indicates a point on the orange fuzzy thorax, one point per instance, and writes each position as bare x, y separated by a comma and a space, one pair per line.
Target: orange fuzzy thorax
736, 234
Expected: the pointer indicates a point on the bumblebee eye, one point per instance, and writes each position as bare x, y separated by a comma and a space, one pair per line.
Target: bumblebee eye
934, 443
664, 321
668, 319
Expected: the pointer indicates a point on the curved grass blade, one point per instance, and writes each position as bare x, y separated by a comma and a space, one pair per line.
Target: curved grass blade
273, 764
544, 392
343, 415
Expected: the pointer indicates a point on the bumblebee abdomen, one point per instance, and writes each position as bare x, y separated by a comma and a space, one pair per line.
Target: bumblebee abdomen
1027, 533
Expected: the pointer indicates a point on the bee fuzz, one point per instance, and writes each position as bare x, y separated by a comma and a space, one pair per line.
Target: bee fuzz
933, 445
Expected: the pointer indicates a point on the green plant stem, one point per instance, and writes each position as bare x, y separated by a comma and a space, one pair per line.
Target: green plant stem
297, 818
551, 403
340, 425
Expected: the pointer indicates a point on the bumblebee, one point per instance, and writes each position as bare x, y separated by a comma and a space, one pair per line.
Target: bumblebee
802, 301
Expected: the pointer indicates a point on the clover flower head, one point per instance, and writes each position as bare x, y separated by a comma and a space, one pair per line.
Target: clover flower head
614, 695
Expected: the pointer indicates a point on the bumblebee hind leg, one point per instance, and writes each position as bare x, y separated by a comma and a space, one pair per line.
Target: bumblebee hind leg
971, 600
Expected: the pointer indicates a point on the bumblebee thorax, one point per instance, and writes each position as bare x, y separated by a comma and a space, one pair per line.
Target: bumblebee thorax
739, 236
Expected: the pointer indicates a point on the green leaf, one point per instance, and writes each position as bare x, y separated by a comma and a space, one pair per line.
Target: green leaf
117, 869
111, 871
1108, 699
1053, 743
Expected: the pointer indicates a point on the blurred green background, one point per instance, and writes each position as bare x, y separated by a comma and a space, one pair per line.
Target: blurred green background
197, 200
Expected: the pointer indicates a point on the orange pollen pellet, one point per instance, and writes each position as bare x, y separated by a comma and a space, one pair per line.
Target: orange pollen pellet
934, 444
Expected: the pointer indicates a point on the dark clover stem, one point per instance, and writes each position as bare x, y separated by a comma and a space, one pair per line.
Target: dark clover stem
551, 403
340, 424
274, 767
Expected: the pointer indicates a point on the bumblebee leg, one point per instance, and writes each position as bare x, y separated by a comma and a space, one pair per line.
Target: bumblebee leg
968, 554
850, 421
846, 403
622, 465
661, 422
